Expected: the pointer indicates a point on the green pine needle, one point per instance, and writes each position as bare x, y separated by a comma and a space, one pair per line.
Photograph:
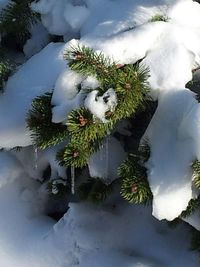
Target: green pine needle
6, 68
196, 173
135, 187
193, 205
44, 132
94, 190
159, 17
16, 20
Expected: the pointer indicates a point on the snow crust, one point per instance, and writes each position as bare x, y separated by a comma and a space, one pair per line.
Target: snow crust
81, 239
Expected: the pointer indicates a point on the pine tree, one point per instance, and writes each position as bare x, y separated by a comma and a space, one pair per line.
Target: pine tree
84, 132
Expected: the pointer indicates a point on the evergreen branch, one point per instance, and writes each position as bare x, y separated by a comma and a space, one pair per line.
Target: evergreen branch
94, 190
135, 187
193, 205
44, 132
159, 17
75, 155
6, 68
16, 20
195, 243
196, 173
85, 61
130, 83
83, 126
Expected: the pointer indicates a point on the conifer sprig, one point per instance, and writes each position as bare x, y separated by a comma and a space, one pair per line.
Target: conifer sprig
83, 60
85, 131
196, 173
16, 20
6, 68
135, 187
39, 120
94, 190
193, 205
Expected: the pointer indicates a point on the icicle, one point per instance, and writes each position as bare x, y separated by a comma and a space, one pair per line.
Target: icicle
102, 152
35, 158
107, 158
72, 180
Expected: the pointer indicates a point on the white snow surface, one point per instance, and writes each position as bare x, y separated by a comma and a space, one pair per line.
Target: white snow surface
29, 238
39, 39
36, 77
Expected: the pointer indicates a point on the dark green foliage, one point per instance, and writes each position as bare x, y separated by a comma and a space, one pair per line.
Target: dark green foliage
83, 60
44, 132
144, 150
75, 155
84, 131
94, 190
196, 174
193, 205
58, 187
195, 244
135, 187
159, 17
130, 84
16, 20
6, 68
110, 74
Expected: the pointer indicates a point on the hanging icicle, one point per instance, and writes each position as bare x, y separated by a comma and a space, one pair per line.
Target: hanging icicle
72, 180
107, 159
102, 152
35, 158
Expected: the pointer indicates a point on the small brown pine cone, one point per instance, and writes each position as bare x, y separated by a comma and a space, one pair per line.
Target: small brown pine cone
82, 121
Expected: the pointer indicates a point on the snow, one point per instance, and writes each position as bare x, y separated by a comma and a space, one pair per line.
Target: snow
39, 39
105, 162
194, 220
66, 95
3, 3
89, 235
29, 238
75, 15
36, 77
99, 105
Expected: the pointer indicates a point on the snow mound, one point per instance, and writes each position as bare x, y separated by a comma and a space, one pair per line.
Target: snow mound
36, 77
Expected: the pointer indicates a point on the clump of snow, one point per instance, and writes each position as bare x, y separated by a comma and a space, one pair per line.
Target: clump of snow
76, 15
172, 153
105, 162
185, 13
53, 16
99, 105
66, 86
69, 93
36, 77
90, 83
60, 112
